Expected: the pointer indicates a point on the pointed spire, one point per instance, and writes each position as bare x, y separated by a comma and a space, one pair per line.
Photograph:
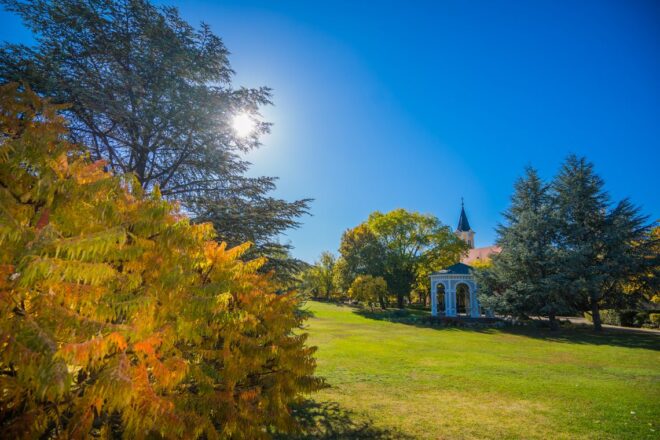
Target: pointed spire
463, 224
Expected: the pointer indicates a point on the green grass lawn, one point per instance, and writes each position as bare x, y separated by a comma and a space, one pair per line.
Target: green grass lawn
397, 380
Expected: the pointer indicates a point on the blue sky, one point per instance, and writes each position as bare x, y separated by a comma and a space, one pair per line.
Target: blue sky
380, 105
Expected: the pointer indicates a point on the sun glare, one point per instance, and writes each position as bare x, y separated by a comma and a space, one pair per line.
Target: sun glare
243, 125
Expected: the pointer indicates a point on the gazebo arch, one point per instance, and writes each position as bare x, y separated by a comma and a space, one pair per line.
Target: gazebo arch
450, 279
463, 299
440, 297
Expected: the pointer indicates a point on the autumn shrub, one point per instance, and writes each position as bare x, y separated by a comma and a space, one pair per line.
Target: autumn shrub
120, 318
368, 290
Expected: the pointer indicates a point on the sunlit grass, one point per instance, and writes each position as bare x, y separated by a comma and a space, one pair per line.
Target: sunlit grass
434, 383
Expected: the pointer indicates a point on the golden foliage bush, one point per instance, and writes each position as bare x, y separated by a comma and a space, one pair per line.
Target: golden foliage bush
368, 289
118, 317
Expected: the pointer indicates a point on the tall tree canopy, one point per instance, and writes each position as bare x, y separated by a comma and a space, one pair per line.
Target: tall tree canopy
120, 318
603, 245
526, 278
647, 284
152, 95
317, 280
398, 246
566, 247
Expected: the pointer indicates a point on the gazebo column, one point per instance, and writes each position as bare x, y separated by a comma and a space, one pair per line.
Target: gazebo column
434, 299
474, 307
450, 300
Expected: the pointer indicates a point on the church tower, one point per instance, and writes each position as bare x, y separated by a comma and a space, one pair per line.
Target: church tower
463, 230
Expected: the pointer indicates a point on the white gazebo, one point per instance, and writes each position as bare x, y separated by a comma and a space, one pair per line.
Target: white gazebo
454, 292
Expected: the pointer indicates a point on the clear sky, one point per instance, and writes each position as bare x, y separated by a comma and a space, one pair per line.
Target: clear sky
386, 104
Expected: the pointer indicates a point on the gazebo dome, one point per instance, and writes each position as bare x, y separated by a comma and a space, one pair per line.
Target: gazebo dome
456, 269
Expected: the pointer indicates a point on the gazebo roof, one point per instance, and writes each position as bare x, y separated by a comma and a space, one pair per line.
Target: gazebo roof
456, 269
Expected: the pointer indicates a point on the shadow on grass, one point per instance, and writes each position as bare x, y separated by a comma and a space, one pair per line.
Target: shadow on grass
569, 333
327, 420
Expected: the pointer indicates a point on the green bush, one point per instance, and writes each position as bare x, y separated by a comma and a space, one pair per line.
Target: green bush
654, 320
611, 317
627, 318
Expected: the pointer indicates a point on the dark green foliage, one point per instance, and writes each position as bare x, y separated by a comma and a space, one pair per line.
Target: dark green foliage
602, 246
526, 278
628, 318
567, 248
153, 96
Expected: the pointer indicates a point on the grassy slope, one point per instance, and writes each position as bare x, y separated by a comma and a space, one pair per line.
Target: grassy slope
450, 383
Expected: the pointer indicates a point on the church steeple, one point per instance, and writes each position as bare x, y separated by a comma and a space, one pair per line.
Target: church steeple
463, 223
463, 230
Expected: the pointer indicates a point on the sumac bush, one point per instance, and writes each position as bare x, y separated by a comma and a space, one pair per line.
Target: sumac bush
118, 317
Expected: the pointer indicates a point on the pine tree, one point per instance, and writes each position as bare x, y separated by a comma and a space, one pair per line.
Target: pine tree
601, 247
121, 318
526, 277
645, 286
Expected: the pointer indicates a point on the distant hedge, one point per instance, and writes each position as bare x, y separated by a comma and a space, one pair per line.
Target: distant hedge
629, 318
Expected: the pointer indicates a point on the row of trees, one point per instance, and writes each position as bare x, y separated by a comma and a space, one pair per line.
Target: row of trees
400, 247
120, 316
567, 248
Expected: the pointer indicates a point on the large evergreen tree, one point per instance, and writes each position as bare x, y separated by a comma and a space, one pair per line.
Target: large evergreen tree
567, 248
526, 277
646, 285
152, 95
602, 247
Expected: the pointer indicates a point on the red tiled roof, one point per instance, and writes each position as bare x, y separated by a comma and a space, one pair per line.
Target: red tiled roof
480, 254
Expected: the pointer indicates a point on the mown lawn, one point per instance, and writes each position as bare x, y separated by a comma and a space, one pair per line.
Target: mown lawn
395, 380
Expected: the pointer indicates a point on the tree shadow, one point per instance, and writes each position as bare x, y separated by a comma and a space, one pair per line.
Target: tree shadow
568, 333
328, 421
573, 334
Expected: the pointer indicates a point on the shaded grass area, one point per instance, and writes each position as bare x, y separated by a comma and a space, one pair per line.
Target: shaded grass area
329, 421
406, 380
577, 334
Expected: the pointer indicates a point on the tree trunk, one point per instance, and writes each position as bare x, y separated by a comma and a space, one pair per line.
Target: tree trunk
399, 301
595, 315
141, 167
553, 321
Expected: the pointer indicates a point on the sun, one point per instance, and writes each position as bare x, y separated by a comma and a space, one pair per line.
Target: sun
243, 125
